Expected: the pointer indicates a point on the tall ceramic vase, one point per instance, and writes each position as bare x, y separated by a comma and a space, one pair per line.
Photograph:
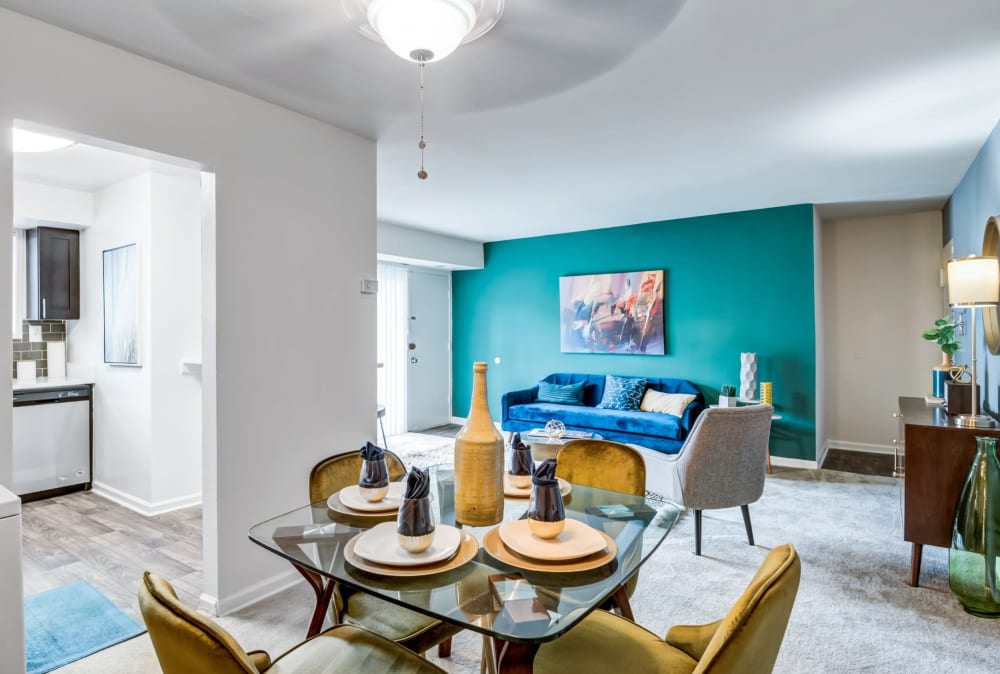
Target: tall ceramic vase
479, 461
975, 541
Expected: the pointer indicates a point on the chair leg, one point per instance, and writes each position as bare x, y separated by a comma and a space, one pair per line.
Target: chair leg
697, 532
746, 522
444, 648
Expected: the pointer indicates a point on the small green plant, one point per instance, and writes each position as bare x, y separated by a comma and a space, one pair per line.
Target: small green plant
727, 392
943, 333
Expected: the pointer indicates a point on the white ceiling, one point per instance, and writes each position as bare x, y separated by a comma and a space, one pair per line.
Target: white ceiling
577, 114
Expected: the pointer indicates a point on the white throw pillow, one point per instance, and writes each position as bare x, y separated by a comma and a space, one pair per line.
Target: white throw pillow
665, 403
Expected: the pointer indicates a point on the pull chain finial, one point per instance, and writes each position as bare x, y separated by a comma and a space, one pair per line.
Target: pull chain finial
422, 58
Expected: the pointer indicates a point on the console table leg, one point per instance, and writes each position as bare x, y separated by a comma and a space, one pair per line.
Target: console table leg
915, 558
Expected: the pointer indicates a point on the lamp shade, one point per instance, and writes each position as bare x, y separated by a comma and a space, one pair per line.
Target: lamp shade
429, 28
973, 281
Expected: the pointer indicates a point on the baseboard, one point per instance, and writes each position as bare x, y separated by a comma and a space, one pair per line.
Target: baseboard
458, 421
141, 506
251, 595
860, 447
785, 462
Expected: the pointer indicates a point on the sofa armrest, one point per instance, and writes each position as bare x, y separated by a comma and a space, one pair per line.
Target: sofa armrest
511, 398
691, 413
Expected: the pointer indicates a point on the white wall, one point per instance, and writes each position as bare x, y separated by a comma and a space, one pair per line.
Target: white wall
405, 245
294, 235
881, 289
57, 204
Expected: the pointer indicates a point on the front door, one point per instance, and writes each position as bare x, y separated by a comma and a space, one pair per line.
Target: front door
428, 400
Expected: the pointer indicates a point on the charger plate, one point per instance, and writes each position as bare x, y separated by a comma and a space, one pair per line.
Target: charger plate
466, 553
494, 546
525, 492
380, 545
350, 497
576, 541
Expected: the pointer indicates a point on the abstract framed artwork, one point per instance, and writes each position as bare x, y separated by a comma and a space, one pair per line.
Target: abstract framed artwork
612, 313
121, 305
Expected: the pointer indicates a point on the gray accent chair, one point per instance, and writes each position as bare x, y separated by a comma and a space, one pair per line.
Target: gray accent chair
722, 463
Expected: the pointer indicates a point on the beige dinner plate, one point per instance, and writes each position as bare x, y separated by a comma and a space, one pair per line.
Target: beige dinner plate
380, 545
466, 553
576, 541
525, 492
350, 497
494, 545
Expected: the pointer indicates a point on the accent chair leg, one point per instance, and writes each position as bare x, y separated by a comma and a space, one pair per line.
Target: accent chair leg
697, 532
444, 648
746, 522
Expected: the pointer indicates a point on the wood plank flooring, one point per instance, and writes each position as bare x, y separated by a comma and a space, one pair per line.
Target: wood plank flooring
83, 536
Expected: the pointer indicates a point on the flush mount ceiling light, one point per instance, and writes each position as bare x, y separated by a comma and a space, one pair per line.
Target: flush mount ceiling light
424, 31
30, 141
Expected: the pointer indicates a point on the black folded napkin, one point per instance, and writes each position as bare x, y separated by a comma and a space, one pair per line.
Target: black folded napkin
546, 503
415, 518
374, 472
520, 458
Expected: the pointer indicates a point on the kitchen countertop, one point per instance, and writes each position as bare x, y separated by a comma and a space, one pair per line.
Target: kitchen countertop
46, 382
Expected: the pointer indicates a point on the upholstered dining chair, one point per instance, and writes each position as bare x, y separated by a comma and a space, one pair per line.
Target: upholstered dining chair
186, 642
722, 463
407, 628
605, 465
746, 641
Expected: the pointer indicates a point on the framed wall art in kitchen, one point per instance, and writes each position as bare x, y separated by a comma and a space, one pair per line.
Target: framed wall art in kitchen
121, 305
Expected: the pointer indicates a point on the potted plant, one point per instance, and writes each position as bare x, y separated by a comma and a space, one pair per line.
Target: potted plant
727, 396
943, 333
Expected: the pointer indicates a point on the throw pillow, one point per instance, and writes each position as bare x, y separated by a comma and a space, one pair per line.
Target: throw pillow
622, 393
666, 403
568, 394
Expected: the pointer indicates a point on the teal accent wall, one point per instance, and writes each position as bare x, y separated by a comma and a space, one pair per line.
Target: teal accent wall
733, 282
975, 199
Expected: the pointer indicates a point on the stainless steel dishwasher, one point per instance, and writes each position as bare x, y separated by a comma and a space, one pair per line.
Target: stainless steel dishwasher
52, 441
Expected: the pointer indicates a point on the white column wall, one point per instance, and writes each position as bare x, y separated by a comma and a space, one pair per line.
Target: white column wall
294, 234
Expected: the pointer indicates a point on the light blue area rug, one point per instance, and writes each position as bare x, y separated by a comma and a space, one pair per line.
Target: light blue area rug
71, 622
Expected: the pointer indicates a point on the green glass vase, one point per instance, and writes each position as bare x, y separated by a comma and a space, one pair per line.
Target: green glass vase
975, 540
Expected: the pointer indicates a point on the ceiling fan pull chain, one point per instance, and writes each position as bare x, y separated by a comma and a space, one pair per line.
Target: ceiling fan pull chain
422, 174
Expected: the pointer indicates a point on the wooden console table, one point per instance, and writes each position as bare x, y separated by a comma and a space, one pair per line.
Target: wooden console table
938, 456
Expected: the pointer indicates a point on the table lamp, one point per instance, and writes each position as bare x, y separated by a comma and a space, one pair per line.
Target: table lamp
974, 282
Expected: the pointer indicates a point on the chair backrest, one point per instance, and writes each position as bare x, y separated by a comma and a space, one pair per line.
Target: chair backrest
184, 640
752, 631
602, 464
724, 460
336, 472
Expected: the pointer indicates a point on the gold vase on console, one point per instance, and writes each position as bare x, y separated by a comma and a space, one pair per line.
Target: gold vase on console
479, 461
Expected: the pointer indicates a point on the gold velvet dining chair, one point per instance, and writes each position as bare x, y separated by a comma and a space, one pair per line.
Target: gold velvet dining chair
413, 630
746, 641
186, 641
606, 465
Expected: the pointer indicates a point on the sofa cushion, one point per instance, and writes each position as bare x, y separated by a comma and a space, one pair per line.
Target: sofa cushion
622, 393
568, 394
666, 403
597, 420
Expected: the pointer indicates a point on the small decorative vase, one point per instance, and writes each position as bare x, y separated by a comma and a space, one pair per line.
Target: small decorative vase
767, 392
939, 375
748, 376
975, 541
373, 482
546, 513
479, 461
521, 466
415, 524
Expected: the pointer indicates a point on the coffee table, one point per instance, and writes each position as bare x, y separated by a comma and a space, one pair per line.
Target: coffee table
547, 448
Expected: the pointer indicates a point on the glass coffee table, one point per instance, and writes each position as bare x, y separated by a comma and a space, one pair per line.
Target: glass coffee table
481, 595
543, 447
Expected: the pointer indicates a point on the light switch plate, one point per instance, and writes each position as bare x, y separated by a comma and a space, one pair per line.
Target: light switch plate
369, 286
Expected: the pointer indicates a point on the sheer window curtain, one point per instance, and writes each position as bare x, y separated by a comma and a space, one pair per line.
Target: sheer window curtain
392, 334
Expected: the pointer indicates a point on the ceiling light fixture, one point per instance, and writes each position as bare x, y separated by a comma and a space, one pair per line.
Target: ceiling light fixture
425, 31
30, 141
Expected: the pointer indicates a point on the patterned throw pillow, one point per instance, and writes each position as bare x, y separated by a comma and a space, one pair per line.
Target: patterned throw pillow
570, 394
622, 393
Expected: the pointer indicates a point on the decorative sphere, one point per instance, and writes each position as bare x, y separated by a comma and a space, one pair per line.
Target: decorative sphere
422, 174
555, 429
422, 145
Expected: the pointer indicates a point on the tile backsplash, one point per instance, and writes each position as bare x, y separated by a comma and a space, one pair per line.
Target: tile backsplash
52, 331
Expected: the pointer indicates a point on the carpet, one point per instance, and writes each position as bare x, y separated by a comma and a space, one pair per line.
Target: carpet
69, 623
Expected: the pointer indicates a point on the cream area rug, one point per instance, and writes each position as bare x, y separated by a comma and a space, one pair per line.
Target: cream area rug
854, 611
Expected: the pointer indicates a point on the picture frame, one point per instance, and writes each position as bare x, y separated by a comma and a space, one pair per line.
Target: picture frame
121, 294
616, 313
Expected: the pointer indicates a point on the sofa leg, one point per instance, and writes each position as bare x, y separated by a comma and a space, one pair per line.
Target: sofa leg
746, 523
697, 532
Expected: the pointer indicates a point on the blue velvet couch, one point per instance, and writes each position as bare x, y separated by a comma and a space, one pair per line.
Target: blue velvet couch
661, 432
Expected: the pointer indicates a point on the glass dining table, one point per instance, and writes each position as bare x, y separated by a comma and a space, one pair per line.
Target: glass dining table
516, 603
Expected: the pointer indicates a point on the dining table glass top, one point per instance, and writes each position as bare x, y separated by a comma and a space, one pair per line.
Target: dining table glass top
486, 595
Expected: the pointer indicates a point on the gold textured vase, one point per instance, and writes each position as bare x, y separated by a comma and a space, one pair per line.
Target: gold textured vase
479, 461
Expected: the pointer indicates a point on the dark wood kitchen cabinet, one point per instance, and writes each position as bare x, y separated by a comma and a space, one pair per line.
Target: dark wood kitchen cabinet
53, 267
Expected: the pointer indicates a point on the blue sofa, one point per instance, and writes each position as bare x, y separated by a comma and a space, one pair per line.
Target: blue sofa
660, 432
